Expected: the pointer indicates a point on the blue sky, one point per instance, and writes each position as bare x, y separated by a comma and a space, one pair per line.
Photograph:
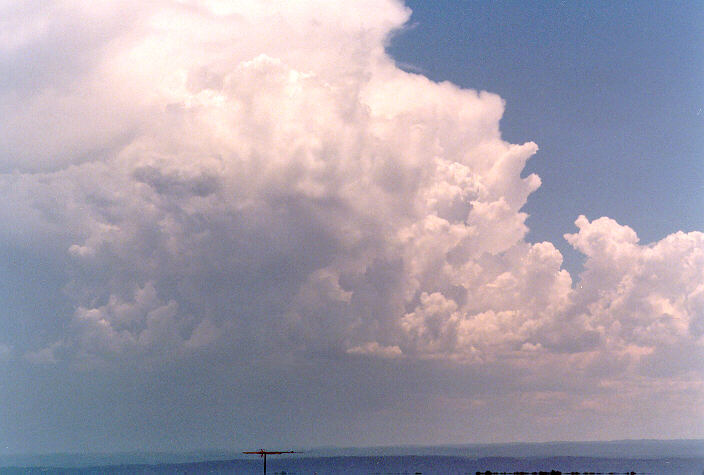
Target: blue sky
612, 93
213, 209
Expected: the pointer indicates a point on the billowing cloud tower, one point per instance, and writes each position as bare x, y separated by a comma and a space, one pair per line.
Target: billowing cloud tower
253, 192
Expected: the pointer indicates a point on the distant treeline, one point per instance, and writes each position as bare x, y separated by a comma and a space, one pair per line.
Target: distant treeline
554, 472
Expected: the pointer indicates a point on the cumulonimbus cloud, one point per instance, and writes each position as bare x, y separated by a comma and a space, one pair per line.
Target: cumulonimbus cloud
215, 173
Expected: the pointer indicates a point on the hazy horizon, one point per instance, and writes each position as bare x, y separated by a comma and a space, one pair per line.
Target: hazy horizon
626, 448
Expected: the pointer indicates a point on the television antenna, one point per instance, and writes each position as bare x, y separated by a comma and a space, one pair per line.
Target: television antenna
263, 453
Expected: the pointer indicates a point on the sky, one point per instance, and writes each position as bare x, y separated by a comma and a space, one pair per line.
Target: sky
235, 224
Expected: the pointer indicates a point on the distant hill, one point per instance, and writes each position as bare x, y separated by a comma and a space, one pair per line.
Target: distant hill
682, 457
409, 464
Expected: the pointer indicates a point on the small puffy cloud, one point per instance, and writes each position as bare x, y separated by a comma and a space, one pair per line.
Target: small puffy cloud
46, 356
142, 324
5, 353
375, 349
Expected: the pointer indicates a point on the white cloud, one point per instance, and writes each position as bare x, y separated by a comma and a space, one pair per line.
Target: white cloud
227, 175
374, 349
264, 166
5, 353
645, 300
45, 356
143, 324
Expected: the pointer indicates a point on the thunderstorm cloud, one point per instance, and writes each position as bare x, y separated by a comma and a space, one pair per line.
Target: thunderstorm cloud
255, 193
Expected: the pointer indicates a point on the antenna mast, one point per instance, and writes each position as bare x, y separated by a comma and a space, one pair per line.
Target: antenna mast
263, 453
